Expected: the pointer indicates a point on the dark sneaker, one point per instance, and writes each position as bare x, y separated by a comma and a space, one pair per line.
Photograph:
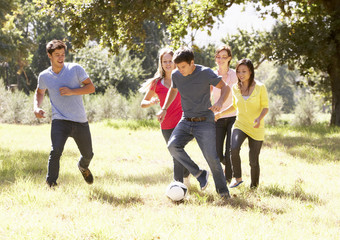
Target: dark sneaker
225, 196
52, 184
86, 174
203, 179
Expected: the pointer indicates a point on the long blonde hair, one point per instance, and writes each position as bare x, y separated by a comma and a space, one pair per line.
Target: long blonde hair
160, 73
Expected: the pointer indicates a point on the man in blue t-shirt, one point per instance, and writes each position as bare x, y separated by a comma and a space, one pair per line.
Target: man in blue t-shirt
193, 83
66, 83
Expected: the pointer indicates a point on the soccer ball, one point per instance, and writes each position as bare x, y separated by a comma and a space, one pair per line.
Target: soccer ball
176, 191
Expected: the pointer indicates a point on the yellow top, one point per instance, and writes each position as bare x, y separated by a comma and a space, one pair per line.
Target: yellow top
250, 109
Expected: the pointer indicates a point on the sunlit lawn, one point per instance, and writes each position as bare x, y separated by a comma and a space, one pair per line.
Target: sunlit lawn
298, 197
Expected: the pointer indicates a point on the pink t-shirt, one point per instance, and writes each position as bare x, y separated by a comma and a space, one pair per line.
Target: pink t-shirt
174, 112
216, 92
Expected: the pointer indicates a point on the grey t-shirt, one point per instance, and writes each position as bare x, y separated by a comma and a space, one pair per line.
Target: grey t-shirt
65, 107
195, 91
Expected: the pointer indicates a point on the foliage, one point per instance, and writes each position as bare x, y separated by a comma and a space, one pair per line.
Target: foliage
281, 82
205, 55
275, 109
306, 37
113, 105
26, 33
156, 38
6, 6
251, 45
307, 29
305, 111
17, 107
118, 71
15, 36
114, 23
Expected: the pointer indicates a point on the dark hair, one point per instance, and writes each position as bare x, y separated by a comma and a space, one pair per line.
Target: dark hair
55, 44
224, 47
250, 66
183, 54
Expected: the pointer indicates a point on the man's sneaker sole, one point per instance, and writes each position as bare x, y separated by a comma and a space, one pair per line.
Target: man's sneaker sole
88, 177
51, 185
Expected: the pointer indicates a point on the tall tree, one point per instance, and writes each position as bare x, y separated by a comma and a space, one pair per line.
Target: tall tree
23, 38
308, 38
6, 7
119, 71
156, 38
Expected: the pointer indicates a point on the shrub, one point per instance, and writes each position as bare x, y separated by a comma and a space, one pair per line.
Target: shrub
17, 107
138, 113
275, 109
113, 105
105, 106
305, 111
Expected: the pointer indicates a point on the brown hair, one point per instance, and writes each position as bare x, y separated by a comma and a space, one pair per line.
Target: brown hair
183, 54
55, 44
224, 47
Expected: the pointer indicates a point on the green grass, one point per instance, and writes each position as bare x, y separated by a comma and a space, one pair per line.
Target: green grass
298, 197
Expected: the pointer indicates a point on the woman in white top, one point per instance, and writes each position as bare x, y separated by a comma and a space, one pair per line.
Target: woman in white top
224, 125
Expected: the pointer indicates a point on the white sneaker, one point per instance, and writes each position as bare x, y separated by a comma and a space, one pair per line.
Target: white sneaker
186, 181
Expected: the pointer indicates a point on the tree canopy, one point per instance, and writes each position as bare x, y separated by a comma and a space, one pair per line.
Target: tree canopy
307, 35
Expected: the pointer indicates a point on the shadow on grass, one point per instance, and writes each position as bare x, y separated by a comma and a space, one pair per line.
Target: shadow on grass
145, 179
98, 194
315, 144
23, 164
242, 202
295, 193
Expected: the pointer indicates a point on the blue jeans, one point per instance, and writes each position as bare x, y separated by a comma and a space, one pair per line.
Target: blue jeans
237, 139
178, 167
60, 131
223, 138
205, 135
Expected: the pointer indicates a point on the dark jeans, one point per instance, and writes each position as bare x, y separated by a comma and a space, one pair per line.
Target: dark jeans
177, 165
60, 131
223, 138
237, 139
205, 135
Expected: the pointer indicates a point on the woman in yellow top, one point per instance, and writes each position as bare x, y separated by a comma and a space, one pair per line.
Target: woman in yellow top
250, 99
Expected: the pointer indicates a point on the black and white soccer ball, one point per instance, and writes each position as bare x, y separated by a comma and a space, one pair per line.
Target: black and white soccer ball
176, 191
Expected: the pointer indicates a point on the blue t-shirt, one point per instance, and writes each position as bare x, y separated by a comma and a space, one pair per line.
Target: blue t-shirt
195, 91
65, 107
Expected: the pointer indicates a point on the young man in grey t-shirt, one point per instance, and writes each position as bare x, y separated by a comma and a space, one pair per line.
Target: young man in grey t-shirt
66, 83
193, 83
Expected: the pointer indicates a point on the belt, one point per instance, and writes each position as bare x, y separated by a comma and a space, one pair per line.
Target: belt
196, 119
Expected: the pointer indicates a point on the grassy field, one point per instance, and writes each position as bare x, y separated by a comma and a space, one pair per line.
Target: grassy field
298, 197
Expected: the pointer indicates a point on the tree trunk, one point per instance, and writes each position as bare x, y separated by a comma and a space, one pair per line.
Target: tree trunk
335, 117
334, 67
334, 74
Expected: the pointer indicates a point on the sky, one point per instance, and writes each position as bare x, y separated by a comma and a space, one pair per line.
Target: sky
233, 19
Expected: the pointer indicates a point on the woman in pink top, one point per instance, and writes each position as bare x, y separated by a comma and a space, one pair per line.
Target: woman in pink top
224, 125
156, 90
